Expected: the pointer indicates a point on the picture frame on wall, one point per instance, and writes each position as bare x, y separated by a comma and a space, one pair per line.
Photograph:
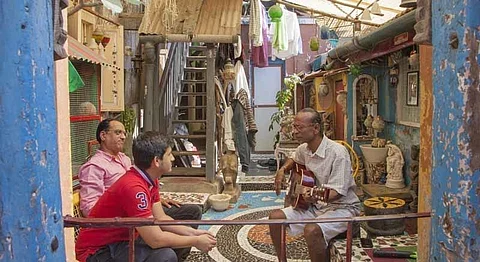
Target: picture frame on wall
412, 89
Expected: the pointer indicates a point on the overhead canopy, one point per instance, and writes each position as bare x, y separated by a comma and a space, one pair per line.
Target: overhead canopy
78, 51
193, 18
340, 14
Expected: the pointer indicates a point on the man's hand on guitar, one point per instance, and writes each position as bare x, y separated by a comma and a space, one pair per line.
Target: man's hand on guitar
316, 194
279, 181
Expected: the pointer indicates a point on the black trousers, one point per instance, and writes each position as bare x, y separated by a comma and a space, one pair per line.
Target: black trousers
184, 212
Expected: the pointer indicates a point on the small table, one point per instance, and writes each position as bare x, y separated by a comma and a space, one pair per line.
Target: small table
286, 148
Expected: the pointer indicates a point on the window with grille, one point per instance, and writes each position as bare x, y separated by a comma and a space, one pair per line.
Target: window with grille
84, 115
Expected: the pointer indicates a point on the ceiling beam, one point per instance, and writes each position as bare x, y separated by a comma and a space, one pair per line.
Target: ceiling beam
354, 2
315, 11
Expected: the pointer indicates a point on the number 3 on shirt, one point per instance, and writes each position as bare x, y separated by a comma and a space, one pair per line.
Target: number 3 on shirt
142, 197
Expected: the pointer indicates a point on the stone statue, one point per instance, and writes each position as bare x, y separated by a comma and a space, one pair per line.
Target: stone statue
395, 164
328, 129
229, 167
414, 155
286, 128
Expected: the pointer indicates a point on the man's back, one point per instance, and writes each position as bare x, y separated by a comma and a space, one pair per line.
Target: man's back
131, 196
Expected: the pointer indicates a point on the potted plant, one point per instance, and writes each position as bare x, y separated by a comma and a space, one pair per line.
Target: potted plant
284, 114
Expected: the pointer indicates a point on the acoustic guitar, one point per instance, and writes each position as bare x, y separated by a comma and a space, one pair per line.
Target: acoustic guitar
302, 183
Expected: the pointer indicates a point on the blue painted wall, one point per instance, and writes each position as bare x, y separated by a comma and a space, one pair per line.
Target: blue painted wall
403, 136
455, 230
31, 227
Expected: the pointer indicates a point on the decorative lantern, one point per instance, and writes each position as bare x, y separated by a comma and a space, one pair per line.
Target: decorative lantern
98, 35
275, 12
228, 72
314, 45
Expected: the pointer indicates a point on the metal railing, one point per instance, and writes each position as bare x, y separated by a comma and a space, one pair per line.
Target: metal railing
169, 86
131, 223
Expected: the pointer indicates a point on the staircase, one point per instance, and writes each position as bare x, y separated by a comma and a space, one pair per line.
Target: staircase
194, 107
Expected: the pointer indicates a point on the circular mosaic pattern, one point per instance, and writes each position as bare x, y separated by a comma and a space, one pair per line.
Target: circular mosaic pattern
251, 242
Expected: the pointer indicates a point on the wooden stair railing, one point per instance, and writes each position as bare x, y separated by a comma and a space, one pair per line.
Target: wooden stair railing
188, 97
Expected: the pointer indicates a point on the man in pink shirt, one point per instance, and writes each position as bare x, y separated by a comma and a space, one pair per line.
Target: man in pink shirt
108, 164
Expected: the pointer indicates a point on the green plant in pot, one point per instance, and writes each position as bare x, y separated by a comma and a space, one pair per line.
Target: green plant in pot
355, 69
283, 101
128, 118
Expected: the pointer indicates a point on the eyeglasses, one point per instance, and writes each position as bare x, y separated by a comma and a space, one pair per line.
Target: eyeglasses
118, 132
301, 127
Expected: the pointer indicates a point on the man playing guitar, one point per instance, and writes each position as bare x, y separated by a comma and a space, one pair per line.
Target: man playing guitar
328, 165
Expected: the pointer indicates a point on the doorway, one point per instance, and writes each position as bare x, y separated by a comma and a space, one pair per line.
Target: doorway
266, 82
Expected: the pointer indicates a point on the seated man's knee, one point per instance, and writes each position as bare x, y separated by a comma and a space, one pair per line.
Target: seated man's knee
163, 255
196, 212
312, 231
277, 214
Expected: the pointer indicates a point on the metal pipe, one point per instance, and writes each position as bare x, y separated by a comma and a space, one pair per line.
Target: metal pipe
283, 243
349, 241
389, 29
70, 221
189, 38
131, 245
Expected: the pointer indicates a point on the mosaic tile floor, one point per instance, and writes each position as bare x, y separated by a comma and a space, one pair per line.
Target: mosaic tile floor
250, 242
359, 254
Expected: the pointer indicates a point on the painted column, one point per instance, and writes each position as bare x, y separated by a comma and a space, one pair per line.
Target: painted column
149, 76
455, 231
31, 227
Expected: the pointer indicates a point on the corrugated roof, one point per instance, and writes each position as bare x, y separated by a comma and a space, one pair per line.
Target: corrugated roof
193, 17
78, 51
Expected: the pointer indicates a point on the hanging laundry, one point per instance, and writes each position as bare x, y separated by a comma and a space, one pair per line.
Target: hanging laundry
260, 53
255, 24
293, 37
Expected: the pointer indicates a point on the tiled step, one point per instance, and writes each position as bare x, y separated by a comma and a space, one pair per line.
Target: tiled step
188, 184
188, 136
197, 48
187, 171
185, 198
194, 81
189, 121
195, 69
188, 153
186, 107
192, 93
196, 58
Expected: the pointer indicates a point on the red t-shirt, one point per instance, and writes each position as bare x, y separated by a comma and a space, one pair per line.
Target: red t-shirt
133, 195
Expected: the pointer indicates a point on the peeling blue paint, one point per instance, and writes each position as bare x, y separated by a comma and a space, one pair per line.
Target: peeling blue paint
455, 233
30, 200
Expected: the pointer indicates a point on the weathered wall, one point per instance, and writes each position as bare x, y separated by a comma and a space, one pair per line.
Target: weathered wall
64, 153
455, 230
401, 135
31, 227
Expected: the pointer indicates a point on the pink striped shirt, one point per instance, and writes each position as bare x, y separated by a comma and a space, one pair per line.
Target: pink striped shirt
97, 175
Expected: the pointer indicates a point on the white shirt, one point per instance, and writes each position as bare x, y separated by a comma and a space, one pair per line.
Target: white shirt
332, 167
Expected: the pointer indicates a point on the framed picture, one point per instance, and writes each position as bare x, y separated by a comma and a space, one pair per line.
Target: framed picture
412, 88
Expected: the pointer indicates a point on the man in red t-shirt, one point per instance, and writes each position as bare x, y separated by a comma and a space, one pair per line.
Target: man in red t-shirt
136, 194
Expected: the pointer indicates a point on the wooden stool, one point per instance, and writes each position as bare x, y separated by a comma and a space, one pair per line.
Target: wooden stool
384, 206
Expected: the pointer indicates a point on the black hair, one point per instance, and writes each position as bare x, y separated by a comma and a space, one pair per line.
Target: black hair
316, 117
103, 126
148, 145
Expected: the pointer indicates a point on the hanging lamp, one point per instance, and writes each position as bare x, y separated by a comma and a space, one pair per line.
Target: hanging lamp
275, 12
